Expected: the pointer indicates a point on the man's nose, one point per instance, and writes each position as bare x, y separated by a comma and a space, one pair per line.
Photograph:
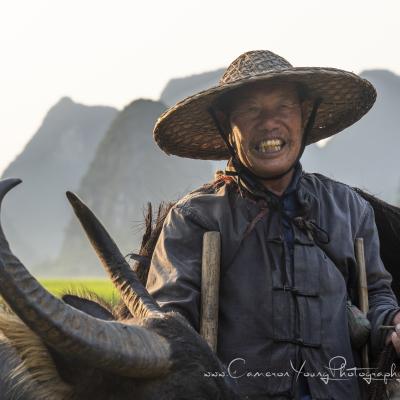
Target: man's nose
268, 119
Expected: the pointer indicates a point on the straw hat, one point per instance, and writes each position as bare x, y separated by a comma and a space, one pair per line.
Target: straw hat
188, 130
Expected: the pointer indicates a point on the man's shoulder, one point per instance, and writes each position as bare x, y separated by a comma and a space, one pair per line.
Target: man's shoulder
207, 204
207, 195
328, 189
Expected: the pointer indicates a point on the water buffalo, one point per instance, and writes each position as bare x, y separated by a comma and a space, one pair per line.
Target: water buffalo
80, 348
75, 348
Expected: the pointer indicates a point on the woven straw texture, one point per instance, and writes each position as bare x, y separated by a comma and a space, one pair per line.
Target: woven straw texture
188, 130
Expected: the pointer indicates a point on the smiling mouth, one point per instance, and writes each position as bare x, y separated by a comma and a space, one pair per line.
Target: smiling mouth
270, 145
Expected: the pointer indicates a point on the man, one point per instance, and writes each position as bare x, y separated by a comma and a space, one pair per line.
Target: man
288, 262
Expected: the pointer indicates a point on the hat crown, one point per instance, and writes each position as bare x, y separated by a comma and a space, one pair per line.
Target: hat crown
254, 63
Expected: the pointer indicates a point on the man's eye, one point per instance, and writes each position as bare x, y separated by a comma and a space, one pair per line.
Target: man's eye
287, 106
252, 109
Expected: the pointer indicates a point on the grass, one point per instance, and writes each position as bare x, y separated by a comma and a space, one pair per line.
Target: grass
101, 287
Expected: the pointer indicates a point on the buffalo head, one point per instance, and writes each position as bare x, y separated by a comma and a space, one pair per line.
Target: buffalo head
149, 355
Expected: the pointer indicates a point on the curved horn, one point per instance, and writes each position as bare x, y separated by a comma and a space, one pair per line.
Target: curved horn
121, 348
135, 296
5, 186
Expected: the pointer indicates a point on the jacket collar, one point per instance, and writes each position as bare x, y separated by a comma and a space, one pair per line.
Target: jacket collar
296, 187
263, 193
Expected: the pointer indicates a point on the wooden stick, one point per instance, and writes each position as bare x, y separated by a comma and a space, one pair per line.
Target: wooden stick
362, 291
387, 327
210, 272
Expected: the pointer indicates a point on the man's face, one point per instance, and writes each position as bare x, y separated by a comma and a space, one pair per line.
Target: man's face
266, 124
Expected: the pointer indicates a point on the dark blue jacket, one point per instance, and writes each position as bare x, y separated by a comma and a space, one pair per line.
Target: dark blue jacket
277, 310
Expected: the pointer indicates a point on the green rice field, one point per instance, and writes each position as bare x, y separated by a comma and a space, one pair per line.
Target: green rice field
102, 287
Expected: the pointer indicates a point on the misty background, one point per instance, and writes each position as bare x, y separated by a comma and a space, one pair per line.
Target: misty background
83, 84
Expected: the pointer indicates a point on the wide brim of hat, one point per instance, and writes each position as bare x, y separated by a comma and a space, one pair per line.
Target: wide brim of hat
188, 130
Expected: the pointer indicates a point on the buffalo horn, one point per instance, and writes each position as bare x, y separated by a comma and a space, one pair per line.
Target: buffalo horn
135, 296
121, 348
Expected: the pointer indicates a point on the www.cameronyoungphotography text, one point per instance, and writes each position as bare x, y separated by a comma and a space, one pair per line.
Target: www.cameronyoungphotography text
335, 370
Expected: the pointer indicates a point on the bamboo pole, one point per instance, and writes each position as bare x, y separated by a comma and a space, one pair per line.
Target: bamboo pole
362, 291
210, 273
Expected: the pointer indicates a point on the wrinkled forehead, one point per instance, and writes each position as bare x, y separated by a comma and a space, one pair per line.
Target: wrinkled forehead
266, 90
260, 90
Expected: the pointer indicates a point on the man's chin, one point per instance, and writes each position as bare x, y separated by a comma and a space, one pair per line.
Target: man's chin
270, 170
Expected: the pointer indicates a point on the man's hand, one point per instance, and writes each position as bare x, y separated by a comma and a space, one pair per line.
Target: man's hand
394, 337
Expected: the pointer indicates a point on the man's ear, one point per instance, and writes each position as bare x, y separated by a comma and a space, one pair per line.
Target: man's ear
223, 120
225, 124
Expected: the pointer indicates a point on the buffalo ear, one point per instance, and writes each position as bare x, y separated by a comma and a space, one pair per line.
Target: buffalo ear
88, 306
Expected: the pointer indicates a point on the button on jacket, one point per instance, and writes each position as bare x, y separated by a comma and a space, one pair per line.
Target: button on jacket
277, 313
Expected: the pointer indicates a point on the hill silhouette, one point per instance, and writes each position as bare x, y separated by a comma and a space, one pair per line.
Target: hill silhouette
128, 171
56, 158
179, 88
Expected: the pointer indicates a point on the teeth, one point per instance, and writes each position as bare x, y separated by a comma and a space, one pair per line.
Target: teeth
270, 145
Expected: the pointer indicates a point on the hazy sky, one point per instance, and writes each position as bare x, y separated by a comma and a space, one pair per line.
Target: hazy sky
111, 52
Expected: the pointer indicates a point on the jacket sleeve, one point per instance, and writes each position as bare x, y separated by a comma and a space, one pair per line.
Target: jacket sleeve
174, 278
382, 301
